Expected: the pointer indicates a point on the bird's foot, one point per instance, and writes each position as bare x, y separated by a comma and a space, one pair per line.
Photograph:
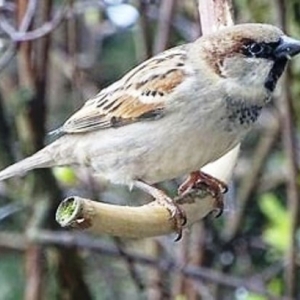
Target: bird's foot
212, 185
177, 213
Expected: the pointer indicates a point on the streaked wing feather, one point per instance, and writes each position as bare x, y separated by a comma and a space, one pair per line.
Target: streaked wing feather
141, 94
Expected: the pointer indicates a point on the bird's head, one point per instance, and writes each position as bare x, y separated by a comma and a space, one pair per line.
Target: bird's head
249, 55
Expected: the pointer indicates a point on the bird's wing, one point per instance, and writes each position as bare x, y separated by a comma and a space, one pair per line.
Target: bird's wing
141, 94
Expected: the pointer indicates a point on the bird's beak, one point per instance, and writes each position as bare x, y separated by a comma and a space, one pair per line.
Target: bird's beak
287, 48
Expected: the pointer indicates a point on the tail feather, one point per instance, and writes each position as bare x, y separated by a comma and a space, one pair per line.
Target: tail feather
41, 159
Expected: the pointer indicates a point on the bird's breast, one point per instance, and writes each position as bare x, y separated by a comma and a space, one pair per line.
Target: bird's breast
183, 141
239, 115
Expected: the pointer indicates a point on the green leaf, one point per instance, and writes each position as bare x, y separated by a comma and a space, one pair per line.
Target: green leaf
278, 231
253, 296
65, 175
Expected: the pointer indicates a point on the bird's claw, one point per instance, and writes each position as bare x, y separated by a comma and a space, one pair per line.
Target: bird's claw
177, 214
219, 205
215, 187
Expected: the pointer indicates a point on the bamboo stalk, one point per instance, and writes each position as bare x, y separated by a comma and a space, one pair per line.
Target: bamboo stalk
214, 14
143, 221
131, 222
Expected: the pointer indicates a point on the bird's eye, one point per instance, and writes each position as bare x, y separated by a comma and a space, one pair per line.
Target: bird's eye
259, 50
255, 49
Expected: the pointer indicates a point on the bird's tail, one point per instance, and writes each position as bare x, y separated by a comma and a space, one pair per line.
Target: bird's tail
41, 159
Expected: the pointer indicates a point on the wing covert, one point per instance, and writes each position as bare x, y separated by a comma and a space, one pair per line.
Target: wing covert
141, 94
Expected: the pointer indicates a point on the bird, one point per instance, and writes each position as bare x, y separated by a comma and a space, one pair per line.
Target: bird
173, 114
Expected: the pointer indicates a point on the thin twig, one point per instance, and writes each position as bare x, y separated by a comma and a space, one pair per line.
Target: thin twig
25, 23
249, 184
28, 16
7, 56
130, 265
292, 187
22, 34
7, 6
214, 15
34, 272
145, 28
269, 273
46, 28
5, 137
166, 12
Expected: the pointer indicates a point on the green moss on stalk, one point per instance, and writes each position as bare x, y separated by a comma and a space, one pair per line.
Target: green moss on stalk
66, 210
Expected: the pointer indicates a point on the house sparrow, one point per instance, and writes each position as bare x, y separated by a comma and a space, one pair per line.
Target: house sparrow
174, 113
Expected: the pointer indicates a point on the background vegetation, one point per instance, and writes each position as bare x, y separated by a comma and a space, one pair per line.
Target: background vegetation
56, 54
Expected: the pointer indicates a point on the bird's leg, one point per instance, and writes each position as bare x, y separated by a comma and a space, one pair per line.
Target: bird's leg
215, 187
177, 213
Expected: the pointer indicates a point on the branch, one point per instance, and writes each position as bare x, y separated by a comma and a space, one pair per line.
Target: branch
82, 241
24, 26
250, 182
166, 12
23, 35
289, 139
143, 221
214, 14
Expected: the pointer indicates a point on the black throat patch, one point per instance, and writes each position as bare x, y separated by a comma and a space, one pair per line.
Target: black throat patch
241, 113
275, 73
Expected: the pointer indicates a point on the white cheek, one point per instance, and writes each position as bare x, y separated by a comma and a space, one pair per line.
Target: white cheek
247, 70
258, 70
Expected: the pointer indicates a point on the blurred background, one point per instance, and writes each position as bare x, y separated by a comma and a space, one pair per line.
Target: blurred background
54, 55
